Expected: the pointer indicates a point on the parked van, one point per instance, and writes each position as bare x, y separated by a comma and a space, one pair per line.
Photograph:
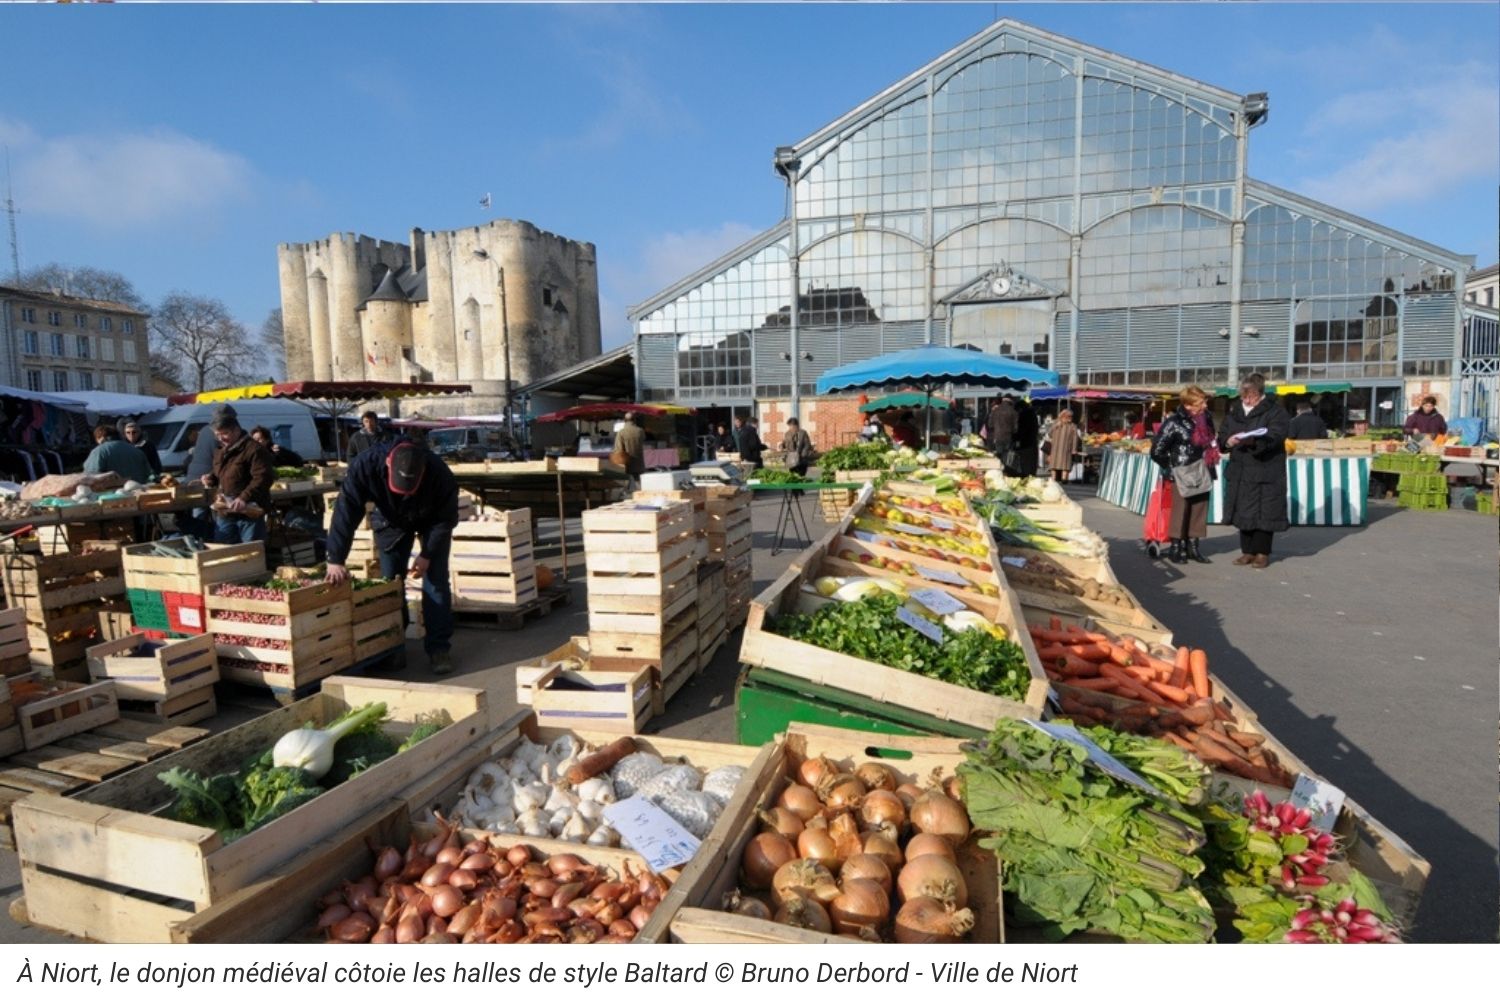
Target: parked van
292, 425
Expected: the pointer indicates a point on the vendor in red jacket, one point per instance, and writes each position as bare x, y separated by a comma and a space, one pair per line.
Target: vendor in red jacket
1426, 419
415, 496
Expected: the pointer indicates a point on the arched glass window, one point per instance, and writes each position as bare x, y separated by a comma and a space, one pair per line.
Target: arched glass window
1134, 139
1161, 255
880, 168
863, 277
1345, 338
1039, 250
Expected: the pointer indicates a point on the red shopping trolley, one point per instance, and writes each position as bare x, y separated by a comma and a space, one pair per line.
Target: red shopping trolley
1158, 516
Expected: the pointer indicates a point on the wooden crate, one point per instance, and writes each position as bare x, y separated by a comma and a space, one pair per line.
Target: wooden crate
635, 527
1043, 617
981, 463
609, 701
145, 670
375, 619
698, 896
645, 574
492, 563
180, 710
43, 584
193, 571
880, 683
643, 613
644, 645
314, 630
1353, 446
15, 645
1052, 601
102, 866
1068, 566
68, 710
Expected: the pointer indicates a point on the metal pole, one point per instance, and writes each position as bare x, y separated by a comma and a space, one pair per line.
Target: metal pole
505, 345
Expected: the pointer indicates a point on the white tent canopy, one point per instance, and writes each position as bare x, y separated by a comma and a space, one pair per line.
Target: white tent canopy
53, 399
114, 404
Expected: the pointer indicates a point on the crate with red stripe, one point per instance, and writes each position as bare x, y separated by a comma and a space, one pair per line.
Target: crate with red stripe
181, 579
283, 640
159, 680
491, 564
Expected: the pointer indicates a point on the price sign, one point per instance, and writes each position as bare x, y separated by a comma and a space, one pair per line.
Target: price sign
938, 601
910, 529
943, 523
651, 833
1015, 561
865, 536
1320, 798
942, 576
927, 628
1097, 756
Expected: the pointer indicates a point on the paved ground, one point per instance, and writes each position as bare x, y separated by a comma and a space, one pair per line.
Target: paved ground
1370, 652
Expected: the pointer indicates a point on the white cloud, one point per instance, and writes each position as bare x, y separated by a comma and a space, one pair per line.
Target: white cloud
123, 178
666, 258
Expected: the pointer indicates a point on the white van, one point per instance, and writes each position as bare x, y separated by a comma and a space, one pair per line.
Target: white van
291, 424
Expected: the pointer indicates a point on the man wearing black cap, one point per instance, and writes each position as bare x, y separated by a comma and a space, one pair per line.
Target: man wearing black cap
415, 496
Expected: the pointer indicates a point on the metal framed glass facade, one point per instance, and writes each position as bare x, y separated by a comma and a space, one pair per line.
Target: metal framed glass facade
1117, 188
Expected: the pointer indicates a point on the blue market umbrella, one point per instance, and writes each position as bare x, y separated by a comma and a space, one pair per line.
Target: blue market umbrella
933, 366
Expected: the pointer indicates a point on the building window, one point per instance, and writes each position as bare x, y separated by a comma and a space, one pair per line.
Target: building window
28, 315
127, 351
106, 324
130, 326
132, 383
54, 317
83, 347
34, 380
81, 321
60, 381
106, 348
111, 382
546, 296
31, 342
1489, 296
55, 345
1345, 338
86, 381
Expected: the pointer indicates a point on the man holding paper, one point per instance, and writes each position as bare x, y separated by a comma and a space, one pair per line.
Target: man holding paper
1254, 437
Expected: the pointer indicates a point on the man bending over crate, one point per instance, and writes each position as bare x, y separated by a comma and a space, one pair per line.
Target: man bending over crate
415, 496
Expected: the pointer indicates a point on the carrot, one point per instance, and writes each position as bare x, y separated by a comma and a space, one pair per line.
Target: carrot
1162, 668
1072, 666
1130, 685
1098, 652
1179, 676
1198, 667
1142, 674
1055, 651
1210, 733
1121, 655
1196, 715
1222, 713
1247, 740
1050, 635
1083, 635
1214, 754
1092, 683
1055, 622
1169, 692
1173, 737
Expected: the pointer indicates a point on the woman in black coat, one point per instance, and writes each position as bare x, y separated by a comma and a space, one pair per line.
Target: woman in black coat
1255, 480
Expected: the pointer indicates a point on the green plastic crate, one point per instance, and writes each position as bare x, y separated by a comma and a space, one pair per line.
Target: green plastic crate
1402, 461
149, 609
1422, 482
766, 701
1423, 501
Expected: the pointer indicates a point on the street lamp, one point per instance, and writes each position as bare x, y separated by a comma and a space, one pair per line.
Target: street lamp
483, 254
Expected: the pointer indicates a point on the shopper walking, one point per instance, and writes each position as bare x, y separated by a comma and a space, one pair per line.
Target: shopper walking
797, 447
1063, 446
1028, 439
1002, 423
1307, 425
630, 445
1254, 435
1188, 454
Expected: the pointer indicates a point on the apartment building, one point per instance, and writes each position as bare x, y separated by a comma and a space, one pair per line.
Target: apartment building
50, 342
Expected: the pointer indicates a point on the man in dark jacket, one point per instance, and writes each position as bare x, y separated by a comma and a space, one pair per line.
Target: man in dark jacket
630, 441
416, 499
1028, 439
1001, 424
1426, 419
749, 443
368, 436
1307, 425
133, 435
243, 475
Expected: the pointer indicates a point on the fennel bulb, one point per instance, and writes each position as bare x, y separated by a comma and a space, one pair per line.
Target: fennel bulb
312, 749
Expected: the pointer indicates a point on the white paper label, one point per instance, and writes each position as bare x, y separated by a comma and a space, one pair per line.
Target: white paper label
1323, 800
943, 523
865, 536
942, 576
910, 529
1103, 761
939, 602
651, 833
927, 628
1015, 561
191, 617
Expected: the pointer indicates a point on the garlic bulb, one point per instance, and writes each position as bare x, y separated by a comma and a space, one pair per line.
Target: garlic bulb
509, 827
533, 823
565, 747
604, 835
559, 799
560, 819
575, 830
530, 796
591, 810
600, 790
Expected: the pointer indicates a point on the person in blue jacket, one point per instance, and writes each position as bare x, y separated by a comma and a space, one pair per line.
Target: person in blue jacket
415, 497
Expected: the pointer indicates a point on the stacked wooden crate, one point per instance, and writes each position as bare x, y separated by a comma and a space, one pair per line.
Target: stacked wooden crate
283, 640
643, 590
362, 561
62, 596
165, 581
10, 727
15, 647
712, 608
833, 504
729, 543
375, 618
170, 681
45, 710
491, 563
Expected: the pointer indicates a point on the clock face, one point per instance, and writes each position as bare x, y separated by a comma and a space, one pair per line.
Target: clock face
1000, 285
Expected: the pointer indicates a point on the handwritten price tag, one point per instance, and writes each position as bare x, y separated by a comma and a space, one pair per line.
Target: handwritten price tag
943, 523
1097, 756
651, 833
910, 529
942, 576
1320, 798
865, 536
917, 622
939, 602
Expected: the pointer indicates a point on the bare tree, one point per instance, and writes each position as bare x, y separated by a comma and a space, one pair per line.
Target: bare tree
273, 343
84, 282
210, 347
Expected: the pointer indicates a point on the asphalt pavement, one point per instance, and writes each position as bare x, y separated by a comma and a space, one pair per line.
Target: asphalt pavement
1370, 652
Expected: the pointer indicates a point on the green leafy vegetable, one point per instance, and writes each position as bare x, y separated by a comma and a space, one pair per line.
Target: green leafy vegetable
854, 458
777, 477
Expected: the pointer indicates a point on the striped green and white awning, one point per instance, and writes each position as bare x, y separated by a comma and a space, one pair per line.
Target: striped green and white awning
1320, 491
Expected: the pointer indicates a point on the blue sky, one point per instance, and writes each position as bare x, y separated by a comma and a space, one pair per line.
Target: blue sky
179, 144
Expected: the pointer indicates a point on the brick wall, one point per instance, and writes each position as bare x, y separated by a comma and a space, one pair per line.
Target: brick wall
828, 421
1417, 389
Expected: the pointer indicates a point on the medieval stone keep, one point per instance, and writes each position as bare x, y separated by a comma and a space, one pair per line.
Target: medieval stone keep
481, 305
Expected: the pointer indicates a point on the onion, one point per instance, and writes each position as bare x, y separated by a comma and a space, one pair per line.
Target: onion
440, 937
935, 876
464, 919
800, 801
409, 929
518, 855
446, 901
935, 813
812, 771
746, 906
449, 856
542, 887
357, 894
818, 846
334, 914
804, 876
867, 866
638, 917
779, 819
876, 775
800, 911
884, 848
929, 843
845, 833
764, 856
388, 864
565, 894
863, 905
477, 847
477, 863
463, 878
561, 864
622, 928
841, 792
954, 788
386, 935
908, 793
882, 810
925, 920
436, 925
436, 875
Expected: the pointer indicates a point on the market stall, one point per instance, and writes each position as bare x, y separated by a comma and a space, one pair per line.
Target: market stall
663, 424
1321, 490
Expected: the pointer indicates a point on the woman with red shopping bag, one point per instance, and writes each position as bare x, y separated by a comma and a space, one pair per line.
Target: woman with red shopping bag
1188, 454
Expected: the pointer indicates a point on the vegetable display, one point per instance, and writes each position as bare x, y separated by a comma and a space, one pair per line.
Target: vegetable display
1014, 528
853, 458
444, 891
302, 765
1083, 851
559, 790
294, 472
869, 629
860, 854
777, 477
